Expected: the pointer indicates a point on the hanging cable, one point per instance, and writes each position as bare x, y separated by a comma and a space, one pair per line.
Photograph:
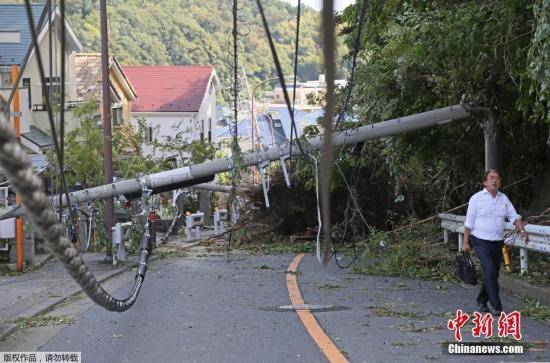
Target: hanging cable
47, 100
351, 80
40, 24
280, 75
319, 219
296, 50
15, 162
355, 171
18, 169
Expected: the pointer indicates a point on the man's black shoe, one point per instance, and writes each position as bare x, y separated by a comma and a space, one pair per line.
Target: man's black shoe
495, 312
483, 308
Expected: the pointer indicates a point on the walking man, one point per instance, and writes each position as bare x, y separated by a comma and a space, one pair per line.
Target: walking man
484, 231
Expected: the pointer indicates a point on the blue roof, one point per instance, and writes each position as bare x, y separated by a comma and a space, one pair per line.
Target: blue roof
13, 17
278, 114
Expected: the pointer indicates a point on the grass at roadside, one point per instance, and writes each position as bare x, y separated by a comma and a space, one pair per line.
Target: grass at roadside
416, 252
43, 320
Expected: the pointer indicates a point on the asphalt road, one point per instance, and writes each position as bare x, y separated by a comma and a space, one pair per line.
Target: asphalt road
215, 309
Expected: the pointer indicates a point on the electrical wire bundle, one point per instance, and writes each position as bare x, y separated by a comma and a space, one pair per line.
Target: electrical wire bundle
15, 162
328, 23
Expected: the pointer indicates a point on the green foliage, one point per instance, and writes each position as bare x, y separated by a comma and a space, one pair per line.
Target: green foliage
411, 252
84, 150
188, 152
539, 57
417, 56
198, 32
535, 310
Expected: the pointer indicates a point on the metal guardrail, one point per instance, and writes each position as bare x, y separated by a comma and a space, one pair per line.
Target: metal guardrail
539, 236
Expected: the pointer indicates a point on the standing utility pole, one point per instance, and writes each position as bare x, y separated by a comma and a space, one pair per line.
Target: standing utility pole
235, 144
19, 232
106, 92
492, 141
328, 27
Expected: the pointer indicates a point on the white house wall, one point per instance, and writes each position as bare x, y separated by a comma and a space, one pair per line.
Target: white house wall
166, 124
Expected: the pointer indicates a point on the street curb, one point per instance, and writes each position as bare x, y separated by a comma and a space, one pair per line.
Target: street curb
11, 327
49, 306
523, 288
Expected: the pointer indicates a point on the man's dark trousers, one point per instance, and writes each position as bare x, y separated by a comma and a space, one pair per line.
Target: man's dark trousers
490, 255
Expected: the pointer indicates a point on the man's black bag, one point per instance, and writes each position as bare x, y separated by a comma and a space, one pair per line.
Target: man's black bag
465, 269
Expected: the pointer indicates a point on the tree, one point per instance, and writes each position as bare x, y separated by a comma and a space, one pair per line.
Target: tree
84, 150
417, 56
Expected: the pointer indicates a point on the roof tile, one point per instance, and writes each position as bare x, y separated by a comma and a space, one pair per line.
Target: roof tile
175, 88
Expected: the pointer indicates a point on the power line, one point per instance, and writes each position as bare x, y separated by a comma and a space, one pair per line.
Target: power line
46, 220
280, 75
351, 81
296, 49
46, 97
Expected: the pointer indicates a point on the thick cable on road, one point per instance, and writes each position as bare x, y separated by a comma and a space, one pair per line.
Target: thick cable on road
14, 161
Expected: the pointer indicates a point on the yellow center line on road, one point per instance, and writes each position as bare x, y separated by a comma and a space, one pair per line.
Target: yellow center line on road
327, 346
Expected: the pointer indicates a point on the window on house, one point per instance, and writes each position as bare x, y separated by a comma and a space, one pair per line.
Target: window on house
27, 83
149, 134
210, 130
202, 130
53, 89
117, 115
10, 36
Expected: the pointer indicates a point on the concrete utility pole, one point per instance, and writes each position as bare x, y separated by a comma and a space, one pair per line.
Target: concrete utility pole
205, 172
19, 231
492, 141
109, 215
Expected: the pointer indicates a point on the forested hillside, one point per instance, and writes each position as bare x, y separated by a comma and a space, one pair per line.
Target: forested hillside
199, 31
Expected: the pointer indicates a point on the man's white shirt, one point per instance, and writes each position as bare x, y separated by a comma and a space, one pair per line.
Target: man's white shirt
486, 214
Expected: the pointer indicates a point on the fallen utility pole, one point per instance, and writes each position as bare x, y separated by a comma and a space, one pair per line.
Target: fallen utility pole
205, 172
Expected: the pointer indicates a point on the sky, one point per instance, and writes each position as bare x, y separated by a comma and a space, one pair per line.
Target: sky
318, 4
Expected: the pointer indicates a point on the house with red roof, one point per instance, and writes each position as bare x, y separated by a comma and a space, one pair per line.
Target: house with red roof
177, 104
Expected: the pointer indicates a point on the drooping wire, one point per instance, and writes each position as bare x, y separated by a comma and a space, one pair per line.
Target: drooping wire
40, 24
296, 53
351, 198
280, 75
47, 99
18, 169
351, 80
319, 218
355, 172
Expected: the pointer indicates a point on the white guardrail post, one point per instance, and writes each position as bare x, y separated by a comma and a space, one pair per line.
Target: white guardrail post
539, 236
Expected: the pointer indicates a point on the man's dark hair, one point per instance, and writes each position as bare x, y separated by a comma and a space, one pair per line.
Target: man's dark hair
492, 171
